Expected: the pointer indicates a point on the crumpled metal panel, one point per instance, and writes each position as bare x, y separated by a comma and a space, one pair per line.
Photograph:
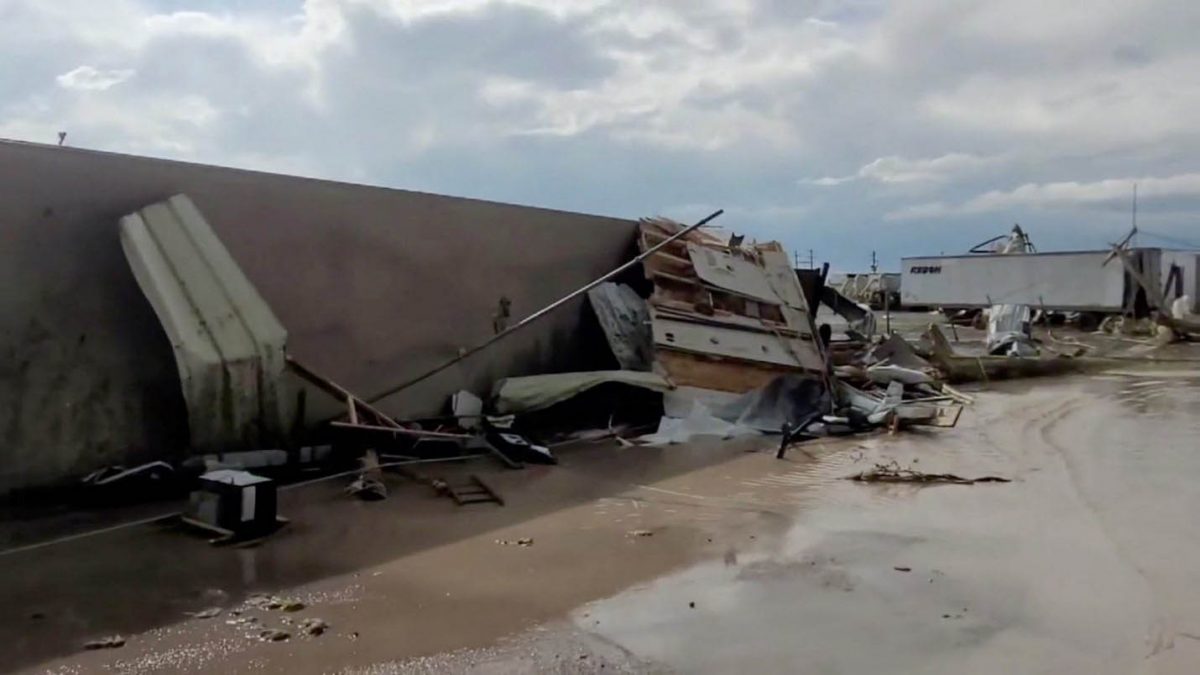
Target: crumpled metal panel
228, 344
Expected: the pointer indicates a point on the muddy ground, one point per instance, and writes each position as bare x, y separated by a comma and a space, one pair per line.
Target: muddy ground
711, 558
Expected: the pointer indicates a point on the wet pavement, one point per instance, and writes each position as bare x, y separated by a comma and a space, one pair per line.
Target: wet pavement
712, 558
1086, 564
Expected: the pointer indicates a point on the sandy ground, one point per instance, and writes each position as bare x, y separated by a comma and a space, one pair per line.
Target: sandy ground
1086, 563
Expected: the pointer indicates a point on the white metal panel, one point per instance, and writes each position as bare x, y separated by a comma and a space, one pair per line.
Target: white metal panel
732, 273
782, 278
774, 281
736, 343
229, 347
1078, 281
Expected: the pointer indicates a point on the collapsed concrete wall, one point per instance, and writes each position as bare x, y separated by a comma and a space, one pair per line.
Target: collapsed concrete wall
374, 286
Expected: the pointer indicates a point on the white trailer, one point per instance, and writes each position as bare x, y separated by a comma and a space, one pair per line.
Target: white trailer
1072, 281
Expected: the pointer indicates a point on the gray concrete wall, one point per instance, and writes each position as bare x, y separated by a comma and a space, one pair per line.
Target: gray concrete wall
373, 285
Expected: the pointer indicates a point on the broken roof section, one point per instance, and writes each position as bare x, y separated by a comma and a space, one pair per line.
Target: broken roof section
725, 315
228, 345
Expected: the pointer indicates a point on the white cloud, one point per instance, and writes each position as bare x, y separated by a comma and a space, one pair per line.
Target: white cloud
680, 86
899, 170
1060, 195
627, 107
89, 78
1094, 110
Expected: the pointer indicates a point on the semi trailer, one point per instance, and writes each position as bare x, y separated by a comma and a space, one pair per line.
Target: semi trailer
1067, 281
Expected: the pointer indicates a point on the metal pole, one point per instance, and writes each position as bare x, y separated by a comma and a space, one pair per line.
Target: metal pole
543, 311
887, 308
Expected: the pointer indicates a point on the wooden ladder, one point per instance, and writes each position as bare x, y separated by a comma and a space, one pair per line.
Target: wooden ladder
475, 491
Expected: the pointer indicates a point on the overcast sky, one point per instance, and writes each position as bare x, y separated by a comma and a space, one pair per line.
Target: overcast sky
842, 126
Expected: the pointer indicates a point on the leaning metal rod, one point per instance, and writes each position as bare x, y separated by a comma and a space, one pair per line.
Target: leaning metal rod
543, 311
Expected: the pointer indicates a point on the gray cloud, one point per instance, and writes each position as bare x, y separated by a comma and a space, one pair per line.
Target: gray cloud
1063, 195
838, 125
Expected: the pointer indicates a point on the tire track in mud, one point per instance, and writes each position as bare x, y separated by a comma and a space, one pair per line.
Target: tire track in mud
1161, 633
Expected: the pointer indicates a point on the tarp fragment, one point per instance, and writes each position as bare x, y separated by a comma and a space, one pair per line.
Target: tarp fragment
526, 394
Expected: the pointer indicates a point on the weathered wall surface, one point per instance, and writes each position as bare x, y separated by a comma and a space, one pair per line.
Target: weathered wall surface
373, 285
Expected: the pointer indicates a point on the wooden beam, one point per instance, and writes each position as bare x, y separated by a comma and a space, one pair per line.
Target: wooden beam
403, 432
339, 392
732, 375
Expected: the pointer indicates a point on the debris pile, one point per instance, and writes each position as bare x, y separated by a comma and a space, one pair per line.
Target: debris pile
110, 642
708, 334
894, 473
725, 315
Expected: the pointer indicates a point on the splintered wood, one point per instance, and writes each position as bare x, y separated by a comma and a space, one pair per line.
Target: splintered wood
725, 315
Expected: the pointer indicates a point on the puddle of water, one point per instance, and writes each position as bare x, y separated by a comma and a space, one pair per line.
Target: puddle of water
1084, 565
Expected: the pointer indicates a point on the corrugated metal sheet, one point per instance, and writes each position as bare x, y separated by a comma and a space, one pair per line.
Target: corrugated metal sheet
625, 320
228, 345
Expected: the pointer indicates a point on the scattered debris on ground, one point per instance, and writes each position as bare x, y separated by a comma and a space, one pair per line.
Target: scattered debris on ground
110, 642
313, 626
273, 603
523, 541
641, 533
894, 473
369, 486
206, 613
273, 635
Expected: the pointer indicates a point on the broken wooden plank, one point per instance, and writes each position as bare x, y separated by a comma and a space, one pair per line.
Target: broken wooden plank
725, 319
341, 393
735, 343
732, 375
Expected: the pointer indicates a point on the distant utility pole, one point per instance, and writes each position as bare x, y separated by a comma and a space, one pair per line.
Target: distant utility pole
796, 259
1133, 241
812, 265
62, 137
874, 263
